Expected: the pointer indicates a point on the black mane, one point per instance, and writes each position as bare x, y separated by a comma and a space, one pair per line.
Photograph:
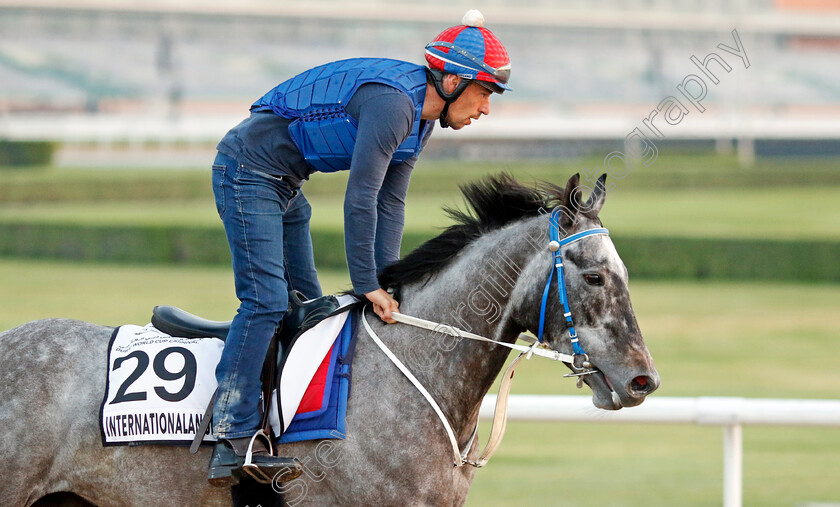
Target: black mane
493, 202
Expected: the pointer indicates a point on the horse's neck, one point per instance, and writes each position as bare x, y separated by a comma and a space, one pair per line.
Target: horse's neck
474, 294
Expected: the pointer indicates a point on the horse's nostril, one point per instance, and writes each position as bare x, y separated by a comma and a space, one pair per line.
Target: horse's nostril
642, 385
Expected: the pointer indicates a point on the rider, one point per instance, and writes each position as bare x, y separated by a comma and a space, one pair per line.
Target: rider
372, 116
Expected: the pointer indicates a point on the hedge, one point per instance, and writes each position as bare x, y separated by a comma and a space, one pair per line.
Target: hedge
645, 257
114, 244
23, 153
737, 259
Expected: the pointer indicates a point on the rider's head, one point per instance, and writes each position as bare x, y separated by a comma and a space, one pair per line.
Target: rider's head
470, 52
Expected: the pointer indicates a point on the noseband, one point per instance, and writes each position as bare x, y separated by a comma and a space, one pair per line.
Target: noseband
581, 363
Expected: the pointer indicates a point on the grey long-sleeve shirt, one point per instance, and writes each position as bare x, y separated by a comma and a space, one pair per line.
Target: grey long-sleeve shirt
374, 202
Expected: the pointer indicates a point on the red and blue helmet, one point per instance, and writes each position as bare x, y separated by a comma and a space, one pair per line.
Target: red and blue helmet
472, 52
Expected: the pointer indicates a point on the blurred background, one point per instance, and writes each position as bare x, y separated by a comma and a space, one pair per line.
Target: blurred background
122, 73
729, 222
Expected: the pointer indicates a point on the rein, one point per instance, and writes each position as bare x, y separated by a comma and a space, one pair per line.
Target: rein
579, 362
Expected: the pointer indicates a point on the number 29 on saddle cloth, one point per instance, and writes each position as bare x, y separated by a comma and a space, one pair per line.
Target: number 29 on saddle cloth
157, 386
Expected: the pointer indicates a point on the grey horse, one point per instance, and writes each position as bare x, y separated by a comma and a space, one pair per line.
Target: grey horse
485, 274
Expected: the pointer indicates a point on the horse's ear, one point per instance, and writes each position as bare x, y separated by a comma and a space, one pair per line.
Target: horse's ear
571, 201
596, 198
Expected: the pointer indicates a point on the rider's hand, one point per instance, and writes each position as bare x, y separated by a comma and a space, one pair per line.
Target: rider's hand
383, 304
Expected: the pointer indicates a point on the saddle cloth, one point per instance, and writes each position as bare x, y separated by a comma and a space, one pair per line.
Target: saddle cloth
158, 386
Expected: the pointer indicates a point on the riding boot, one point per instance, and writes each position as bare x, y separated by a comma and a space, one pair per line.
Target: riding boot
227, 465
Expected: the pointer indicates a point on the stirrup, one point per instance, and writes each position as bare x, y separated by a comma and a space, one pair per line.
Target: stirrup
249, 467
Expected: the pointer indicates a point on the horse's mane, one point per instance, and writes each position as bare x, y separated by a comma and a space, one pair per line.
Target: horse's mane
492, 203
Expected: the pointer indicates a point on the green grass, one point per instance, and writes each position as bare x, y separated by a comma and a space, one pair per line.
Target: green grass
655, 465
424, 213
113, 295
753, 339
200, 212
723, 339
708, 339
772, 213
48, 184
439, 177
672, 169
774, 340
698, 195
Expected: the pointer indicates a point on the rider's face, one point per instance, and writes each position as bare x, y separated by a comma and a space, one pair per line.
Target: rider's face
474, 102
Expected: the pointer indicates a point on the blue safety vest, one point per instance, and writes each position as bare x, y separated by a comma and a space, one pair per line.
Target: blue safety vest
316, 99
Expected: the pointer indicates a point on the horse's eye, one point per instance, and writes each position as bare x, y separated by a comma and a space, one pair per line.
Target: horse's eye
593, 279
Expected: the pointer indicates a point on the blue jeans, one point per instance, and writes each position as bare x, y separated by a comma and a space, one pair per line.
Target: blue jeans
267, 226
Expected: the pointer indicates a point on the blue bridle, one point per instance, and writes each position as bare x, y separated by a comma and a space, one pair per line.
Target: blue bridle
555, 245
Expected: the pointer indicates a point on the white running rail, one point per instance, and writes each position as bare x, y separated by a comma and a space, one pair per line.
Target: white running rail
730, 413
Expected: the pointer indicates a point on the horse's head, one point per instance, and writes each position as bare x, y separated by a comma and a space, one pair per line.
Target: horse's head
488, 272
602, 316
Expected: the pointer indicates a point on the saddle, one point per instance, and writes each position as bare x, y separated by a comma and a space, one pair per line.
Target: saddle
176, 322
301, 315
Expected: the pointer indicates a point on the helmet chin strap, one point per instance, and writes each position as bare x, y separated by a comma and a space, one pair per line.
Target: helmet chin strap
448, 98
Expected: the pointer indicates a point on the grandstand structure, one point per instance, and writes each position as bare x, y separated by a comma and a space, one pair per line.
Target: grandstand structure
585, 73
